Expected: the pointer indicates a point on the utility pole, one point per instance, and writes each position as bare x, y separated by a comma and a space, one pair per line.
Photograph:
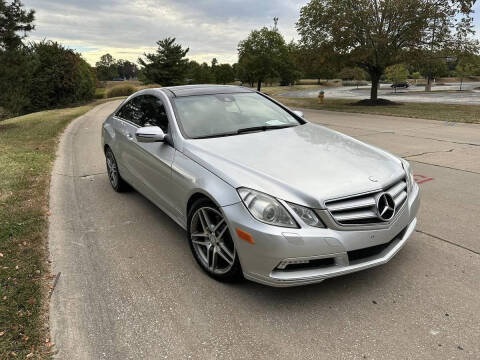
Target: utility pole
275, 23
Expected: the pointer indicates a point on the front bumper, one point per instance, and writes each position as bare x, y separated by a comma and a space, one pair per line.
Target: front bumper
340, 247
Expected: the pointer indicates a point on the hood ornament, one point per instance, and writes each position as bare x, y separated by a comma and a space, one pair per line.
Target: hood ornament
372, 179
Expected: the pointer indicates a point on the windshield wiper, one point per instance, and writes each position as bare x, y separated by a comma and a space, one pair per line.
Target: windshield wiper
230, 133
263, 128
245, 130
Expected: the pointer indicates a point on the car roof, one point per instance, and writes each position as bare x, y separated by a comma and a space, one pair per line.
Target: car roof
192, 90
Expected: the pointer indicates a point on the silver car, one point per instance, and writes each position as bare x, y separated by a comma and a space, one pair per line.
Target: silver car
262, 193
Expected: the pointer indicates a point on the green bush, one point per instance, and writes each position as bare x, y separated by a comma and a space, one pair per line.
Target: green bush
16, 77
44, 75
121, 90
62, 77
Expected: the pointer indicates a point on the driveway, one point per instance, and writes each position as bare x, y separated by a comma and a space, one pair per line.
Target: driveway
444, 94
130, 289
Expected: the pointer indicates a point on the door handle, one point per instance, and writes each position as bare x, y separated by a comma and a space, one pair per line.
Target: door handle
129, 136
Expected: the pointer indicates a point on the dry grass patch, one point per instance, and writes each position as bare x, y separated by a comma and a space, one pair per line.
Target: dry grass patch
27, 151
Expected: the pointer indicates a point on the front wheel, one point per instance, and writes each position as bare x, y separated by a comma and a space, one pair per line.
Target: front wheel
211, 242
117, 182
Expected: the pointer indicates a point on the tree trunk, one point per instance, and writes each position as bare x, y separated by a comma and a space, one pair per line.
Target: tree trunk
375, 85
428, 86
259, 85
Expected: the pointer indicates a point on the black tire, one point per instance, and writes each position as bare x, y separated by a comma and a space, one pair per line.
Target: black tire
113, 173
225, 242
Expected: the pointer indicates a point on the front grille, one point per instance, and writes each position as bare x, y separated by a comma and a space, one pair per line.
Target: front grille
362, 209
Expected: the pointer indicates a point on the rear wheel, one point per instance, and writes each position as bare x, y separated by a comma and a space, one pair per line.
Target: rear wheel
211, 242
117, 182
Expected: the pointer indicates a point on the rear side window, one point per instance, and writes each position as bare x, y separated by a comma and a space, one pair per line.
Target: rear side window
126, 111
145, 110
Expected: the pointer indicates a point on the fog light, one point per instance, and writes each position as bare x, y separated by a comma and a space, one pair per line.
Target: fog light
284, 263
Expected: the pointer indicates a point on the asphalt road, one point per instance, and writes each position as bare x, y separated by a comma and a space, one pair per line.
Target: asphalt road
129, 288
444, 94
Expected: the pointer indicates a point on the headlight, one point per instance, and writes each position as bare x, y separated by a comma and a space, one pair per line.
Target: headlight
408, 171
266, 208
307, 215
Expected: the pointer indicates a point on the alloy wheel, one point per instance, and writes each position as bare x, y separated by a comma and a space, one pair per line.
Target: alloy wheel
211, 240
112, 169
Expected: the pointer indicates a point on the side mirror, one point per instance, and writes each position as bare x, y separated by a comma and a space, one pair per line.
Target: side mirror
150, 134
298, 113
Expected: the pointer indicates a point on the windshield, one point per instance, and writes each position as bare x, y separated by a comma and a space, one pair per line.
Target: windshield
204, 116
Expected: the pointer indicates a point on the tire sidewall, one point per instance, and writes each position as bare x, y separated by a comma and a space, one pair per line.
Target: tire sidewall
122, 185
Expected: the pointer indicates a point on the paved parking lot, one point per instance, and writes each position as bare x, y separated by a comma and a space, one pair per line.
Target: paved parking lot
130, 289
444, 94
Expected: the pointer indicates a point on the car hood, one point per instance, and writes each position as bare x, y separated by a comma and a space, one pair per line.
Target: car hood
306, 164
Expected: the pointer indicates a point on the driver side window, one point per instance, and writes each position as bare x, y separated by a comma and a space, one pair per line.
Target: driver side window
145, 110
152, 112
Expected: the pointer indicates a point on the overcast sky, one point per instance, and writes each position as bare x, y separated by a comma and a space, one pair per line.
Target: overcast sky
126, 29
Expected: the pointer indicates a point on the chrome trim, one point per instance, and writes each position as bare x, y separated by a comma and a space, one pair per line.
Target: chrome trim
360, 210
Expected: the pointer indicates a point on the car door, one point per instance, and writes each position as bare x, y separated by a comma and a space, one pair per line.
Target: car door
150, 163
123, 117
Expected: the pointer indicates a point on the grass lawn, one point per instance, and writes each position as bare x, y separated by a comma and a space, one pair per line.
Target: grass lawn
431, 111
27, 151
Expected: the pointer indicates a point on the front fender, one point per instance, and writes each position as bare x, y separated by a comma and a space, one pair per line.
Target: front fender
187, 174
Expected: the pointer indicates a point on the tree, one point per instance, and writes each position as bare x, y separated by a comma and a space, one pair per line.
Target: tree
466, 66
397, 73
288, 70
416, 75
62, 77
16, 77
449, 29
353, 73
16, 59
375, 34
106, 68
245, 71
168, 66
126, 69
432, 68
262, 55
15, 23
199, 73
314, 63
224, 74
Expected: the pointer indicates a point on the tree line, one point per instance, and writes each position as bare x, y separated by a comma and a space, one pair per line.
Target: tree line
36, 76
353, 39
358, 39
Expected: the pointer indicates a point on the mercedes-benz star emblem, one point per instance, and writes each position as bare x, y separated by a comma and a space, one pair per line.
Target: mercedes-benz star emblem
385, 207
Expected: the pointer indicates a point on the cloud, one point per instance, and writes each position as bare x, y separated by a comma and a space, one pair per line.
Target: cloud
126, 29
